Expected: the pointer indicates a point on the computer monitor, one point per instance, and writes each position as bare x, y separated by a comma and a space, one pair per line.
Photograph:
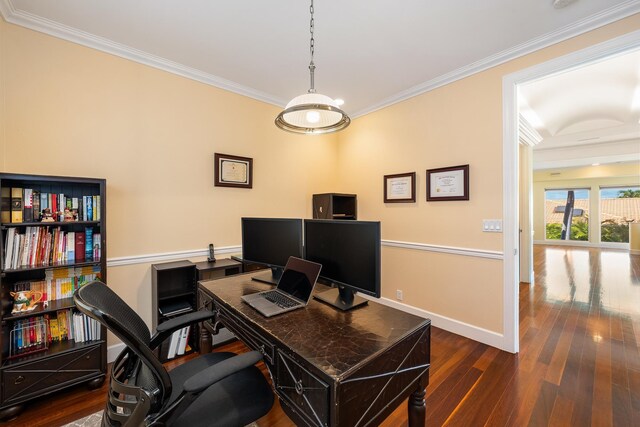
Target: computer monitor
270, 242
349, 252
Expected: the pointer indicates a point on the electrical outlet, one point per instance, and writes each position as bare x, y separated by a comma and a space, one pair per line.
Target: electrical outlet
399, 295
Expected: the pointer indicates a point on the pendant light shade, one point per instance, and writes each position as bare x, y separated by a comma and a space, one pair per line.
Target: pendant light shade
312, 113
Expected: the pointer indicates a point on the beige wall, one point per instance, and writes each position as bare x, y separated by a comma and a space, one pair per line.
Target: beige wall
591, 178
456, 124
71, 110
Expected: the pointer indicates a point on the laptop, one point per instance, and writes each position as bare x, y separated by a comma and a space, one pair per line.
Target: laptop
293, 291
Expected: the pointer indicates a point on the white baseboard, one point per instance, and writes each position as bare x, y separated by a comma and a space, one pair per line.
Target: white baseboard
475, 333
582, 243
113, 351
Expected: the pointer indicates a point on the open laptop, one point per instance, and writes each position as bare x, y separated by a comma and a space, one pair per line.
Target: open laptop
293, 291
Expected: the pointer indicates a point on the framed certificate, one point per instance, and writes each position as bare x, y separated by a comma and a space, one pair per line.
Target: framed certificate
232, 171
450, 183
400, 188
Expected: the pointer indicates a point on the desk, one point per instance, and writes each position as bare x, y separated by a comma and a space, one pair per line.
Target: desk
331, 368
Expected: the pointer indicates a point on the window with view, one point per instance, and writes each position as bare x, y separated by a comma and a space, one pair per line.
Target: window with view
555, 204
619, 207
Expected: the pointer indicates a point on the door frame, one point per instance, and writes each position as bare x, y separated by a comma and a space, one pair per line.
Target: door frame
510, 168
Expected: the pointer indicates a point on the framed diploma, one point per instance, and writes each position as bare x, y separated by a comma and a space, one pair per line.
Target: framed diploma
448, 183
400, 188
232, 171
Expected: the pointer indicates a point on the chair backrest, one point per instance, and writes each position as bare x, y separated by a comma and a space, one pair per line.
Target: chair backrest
139, 383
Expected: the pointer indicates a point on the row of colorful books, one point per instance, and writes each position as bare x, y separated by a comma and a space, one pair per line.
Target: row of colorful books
36, 333
60, 283
27, 204
41, 246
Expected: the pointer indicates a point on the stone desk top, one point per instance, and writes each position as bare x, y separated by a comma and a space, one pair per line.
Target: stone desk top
334, 341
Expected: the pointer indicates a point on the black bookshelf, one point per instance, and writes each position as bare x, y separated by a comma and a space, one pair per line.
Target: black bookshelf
335, 206
174, 292
66, 362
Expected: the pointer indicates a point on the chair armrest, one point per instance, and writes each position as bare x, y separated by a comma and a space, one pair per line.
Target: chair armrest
165, 329
215, 373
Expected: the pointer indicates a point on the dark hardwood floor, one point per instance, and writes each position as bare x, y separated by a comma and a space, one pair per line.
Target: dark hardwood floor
579, 361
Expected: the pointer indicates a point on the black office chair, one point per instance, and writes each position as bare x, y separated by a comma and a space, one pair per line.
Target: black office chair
215, 389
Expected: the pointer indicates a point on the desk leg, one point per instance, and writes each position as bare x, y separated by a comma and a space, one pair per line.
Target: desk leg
417, 407
205, 340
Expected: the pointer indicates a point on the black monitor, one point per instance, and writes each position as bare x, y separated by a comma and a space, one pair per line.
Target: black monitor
270, 242
349, 252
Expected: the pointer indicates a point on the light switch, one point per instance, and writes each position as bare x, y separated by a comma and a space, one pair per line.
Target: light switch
492, 225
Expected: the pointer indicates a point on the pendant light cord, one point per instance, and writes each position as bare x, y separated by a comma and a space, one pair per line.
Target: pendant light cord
312, 42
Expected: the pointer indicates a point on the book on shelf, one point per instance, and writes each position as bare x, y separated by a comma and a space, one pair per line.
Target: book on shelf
44, 201
53, 204
16, 204
80, 246
60, 283
71, 246
97, 246
5, 204
27, 205
8, 247
87, 205
173, 344
28, 335
96, 208
182, 344
43, 246
88, 245
36, 205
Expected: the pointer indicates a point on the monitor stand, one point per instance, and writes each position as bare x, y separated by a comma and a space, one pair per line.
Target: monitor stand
341, 298
270, 277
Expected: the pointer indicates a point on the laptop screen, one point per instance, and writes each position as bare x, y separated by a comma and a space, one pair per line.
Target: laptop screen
299, 278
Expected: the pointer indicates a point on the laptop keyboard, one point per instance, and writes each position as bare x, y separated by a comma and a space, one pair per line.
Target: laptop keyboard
280, 300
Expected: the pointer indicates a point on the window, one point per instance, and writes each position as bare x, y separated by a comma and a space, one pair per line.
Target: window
619, 206
555, 204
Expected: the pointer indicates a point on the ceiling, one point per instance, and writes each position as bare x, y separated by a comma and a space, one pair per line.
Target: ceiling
589, 115
371, 54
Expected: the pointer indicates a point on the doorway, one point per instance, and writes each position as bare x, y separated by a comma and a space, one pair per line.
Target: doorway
511, 168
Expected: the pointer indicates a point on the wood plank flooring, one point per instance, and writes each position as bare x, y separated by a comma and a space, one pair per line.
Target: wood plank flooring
579, 360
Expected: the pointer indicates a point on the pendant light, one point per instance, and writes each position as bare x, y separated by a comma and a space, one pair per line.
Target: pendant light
312, 113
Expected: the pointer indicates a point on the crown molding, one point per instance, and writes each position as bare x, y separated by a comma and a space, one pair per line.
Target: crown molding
528, 135
607, 16
55, 29
46, 26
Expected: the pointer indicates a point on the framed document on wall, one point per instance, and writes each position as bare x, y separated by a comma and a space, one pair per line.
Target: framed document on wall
232, 171
400, 188
450, 183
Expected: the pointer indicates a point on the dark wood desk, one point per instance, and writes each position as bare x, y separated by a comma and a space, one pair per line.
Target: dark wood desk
331, 368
